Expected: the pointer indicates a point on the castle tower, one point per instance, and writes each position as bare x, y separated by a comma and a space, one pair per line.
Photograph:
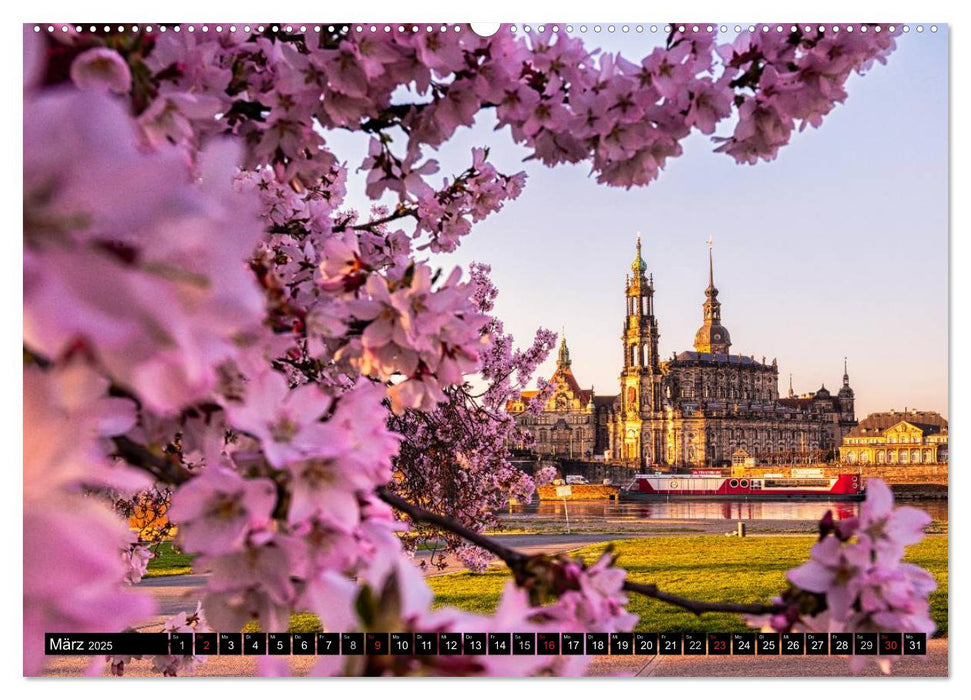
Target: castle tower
712, 337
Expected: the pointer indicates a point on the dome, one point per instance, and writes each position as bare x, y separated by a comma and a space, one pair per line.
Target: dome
713, 338
823, 393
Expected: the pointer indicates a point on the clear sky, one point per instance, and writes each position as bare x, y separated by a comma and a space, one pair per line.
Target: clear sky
837, 248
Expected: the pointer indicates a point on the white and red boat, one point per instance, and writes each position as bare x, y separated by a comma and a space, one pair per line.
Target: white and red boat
842, 487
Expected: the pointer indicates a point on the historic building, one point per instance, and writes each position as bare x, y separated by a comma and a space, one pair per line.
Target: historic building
701, 407
911, 437
572, 423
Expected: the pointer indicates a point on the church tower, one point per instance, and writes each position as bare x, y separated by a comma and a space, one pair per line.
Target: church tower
640, 326
712, 337
640, 380
563, 360
846, 397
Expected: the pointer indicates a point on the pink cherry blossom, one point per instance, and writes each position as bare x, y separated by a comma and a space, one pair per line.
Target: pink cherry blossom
172, 665
287, 422
886, 529
101, 69
136, 558
73, 576
218, 509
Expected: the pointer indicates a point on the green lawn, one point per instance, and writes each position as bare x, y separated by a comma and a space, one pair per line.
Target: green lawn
299, 622
711, 567
168, 562
748, 570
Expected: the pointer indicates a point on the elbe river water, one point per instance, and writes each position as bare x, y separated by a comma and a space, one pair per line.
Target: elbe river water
705, 509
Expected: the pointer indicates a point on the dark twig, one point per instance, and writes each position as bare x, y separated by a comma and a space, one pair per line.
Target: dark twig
515, 560
168, 471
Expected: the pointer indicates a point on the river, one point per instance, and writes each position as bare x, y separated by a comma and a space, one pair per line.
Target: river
703, 509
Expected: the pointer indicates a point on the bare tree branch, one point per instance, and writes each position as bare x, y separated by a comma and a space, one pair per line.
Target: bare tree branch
516, 561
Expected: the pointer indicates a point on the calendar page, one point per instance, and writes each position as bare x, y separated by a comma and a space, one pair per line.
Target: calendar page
460, 350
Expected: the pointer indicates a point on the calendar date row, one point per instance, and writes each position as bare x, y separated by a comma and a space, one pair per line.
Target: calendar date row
489, 643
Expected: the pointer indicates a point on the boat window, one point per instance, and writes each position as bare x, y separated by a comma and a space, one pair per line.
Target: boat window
789, 483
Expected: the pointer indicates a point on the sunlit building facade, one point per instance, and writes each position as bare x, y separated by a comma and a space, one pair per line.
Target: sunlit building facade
696, 408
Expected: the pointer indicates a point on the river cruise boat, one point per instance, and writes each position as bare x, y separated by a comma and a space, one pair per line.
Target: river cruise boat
842, 487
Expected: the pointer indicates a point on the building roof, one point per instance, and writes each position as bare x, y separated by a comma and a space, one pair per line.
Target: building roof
565, 374
796, 402
717, 358
604, 401
930, 422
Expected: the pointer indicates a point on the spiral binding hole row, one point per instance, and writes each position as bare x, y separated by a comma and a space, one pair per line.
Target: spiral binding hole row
528, 29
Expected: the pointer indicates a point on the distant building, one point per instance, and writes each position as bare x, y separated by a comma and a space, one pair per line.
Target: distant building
911, 437
573, 421
702, 407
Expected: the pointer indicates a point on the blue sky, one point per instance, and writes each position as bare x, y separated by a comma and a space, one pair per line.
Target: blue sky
837, 248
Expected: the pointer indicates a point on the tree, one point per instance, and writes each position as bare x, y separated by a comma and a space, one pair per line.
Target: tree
205, 319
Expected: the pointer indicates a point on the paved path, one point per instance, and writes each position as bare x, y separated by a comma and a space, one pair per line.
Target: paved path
933, 665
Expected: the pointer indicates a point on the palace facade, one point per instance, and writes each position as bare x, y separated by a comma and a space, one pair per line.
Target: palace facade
698, 408
911, 437
572, 422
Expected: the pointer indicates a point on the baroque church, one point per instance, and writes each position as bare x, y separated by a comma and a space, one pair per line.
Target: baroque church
699, 408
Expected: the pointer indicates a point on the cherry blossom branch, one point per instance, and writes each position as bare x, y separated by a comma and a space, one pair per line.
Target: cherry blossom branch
400, 212
517, 561
168, 471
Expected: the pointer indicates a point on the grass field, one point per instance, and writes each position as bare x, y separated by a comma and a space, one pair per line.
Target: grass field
710, 567
168, 562
747, 570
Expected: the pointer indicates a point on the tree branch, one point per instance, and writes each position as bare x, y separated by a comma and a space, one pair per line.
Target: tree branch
400, 212
168, 471
516, 561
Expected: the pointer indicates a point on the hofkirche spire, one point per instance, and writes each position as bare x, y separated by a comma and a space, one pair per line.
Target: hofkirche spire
845, 392
712, 337
638, 267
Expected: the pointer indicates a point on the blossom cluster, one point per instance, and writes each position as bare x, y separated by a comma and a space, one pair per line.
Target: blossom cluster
551, 594
856, 576
793, 77
74, 545
170, 664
